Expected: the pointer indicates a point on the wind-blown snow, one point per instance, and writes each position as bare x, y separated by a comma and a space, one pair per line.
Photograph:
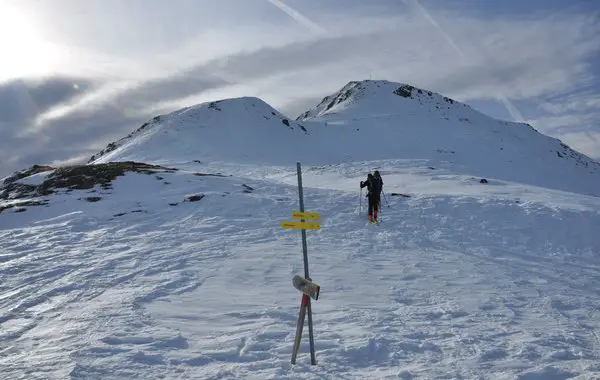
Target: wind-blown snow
461, 279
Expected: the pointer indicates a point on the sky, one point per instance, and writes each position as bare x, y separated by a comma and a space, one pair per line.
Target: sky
76, 75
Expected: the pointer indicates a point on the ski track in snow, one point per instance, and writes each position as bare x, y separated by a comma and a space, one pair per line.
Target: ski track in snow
471, 285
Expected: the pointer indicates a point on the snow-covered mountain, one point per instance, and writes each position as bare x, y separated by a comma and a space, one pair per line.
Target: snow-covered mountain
231, 129
163, 257
368, 120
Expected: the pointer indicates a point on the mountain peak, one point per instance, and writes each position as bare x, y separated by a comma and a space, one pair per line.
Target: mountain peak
378, 96
216, 129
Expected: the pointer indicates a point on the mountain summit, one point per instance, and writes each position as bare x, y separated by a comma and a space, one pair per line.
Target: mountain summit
227, 129
380, 98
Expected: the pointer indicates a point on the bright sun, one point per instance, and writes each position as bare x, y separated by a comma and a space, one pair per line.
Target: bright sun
24, 52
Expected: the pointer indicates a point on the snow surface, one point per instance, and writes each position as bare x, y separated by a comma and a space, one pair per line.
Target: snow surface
461, 280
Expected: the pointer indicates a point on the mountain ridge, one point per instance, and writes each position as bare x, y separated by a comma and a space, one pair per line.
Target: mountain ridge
396, 119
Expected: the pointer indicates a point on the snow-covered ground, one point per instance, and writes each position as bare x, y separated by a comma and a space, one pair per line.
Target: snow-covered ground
462, 280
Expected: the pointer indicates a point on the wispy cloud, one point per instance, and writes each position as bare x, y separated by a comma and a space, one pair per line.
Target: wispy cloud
522, 57
298, 16
437, 26
589, 103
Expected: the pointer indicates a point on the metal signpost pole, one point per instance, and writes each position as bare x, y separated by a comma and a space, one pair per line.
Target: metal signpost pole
306, 275
304, 284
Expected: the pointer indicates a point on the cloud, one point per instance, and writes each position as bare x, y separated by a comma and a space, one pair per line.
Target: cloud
389, 46
300, 18
20, 103
80, 134
524, 58
567, 123
576, 105
234, 70
21, 100
292, 61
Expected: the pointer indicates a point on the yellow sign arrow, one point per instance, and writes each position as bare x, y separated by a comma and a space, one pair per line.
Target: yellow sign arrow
301, 225
305, 215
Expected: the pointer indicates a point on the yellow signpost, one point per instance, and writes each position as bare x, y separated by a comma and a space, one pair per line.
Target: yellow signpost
305, 215
301, 225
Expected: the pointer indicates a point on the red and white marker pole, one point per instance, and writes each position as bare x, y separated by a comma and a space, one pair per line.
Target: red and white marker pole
303, 307
309, 290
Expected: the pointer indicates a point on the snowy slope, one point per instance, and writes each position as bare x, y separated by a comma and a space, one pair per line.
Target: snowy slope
461, 280
408, 122
368, 120
182, 271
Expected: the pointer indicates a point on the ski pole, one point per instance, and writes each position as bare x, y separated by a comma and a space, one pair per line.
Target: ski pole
384, 197
360, 202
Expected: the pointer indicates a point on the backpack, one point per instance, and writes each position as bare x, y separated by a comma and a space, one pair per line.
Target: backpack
375, 187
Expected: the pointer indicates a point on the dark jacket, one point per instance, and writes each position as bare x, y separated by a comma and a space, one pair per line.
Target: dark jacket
372, 185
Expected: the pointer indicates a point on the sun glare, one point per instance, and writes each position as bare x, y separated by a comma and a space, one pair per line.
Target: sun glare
25, 53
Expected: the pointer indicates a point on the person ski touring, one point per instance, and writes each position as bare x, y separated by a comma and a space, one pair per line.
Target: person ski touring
373, 195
